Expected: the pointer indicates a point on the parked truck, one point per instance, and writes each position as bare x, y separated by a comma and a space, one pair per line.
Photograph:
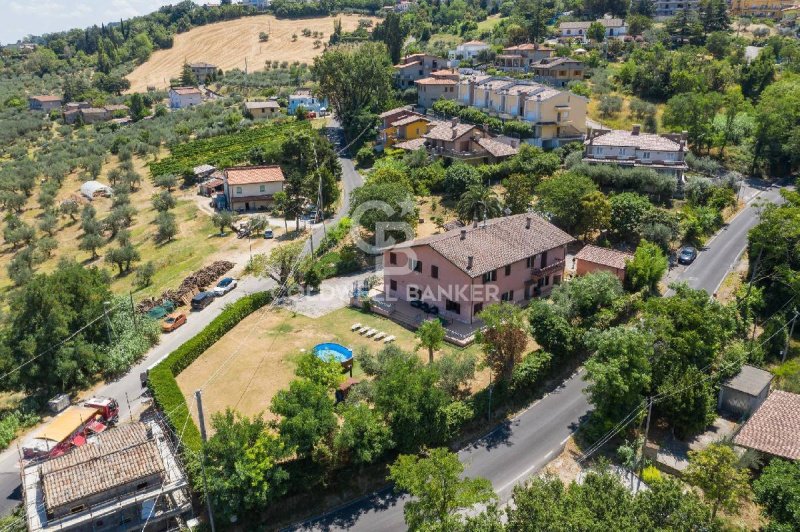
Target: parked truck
72, 427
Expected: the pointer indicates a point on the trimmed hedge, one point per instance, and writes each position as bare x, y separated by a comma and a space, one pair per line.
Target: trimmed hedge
161, 380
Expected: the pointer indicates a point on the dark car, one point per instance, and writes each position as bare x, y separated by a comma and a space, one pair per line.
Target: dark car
687, 255
202, 300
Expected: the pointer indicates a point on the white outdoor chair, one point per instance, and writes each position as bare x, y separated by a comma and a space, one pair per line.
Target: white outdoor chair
389, 339
355, 326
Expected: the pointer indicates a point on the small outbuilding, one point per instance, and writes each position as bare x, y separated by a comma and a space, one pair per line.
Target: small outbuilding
593, 258
775, 427
93, 189
744, 393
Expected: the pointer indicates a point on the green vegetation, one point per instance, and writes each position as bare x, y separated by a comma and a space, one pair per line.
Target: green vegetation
161, 379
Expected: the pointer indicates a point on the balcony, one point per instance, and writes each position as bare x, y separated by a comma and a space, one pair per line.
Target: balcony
550, 268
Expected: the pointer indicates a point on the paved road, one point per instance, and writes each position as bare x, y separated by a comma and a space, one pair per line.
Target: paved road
510, 454
721, 254
525, 445
128, 389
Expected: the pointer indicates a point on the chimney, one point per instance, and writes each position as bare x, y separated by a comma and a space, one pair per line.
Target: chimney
454, 121
590, 134
475, 222
469, 262
684, 135
463, 234
528, 222
637, 128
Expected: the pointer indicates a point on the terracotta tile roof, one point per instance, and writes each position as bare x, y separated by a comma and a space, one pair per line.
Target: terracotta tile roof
121, 455
93, 111
247, 175
604, 256
445, 72
499, 242
411, 145
496, 148
405, 65
435, 81
448, 131
529, 46
185, 91
116, 107
642, 141
775, 427
46, 98
473, 43
269, 104
556, 61
410, 119
396, 110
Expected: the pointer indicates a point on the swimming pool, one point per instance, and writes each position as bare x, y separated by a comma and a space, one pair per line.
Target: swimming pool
336, 351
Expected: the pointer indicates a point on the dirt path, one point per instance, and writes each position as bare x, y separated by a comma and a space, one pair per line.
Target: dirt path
235, 44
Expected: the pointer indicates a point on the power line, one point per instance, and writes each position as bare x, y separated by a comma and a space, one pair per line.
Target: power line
627, 420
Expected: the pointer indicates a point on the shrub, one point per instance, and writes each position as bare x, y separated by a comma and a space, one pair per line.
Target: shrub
365, 157
161, 380
530, 373
651, 475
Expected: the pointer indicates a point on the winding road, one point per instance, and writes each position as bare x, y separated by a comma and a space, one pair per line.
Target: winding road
521, 447
128, 389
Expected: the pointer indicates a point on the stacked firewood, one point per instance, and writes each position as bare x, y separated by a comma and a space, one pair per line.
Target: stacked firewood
191, 285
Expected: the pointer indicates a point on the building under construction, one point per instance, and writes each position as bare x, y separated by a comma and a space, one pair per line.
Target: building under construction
123, 479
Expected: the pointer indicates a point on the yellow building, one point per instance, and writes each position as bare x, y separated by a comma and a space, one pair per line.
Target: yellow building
400, 125
761, 8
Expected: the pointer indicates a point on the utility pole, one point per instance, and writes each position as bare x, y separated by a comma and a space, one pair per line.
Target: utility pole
750, 287
789, 338
311, 241
199, 397
644, 441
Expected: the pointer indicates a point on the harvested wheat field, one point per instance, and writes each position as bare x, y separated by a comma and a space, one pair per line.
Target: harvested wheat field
229, 44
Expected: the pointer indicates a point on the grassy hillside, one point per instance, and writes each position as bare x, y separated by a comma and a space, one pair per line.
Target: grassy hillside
235, 44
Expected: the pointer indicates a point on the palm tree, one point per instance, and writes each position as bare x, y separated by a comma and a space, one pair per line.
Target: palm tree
478, 202
431, 336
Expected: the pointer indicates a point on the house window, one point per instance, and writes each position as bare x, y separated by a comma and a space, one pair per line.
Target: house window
392, 258
544, 259
556, 279
416, 266
477, 308
452, 306
598, 150
508, 270
392, 285
238, 190
262, 188
646, 155
140, 486
490, 276
435, 272
507, 296
77, 509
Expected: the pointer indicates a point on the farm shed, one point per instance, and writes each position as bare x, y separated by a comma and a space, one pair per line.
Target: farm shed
744, 393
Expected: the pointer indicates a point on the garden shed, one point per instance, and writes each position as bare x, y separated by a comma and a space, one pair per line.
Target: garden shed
744, 393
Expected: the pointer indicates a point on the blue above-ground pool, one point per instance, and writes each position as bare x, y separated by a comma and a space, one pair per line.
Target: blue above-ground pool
330, 350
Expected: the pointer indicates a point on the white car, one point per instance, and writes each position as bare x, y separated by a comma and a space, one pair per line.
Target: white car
224, 286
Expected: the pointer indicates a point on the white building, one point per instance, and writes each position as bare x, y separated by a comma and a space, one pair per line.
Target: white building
576, 31
304, 98
258, 4
670, 8
663, 153
466, 51
183, 97
252, 187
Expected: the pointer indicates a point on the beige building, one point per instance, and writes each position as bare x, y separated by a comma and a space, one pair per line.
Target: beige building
252, 187
267, 109
520, 58
558, 71
415, 67
663, 153
452, 140
203, 71
773, 9
440, 84
558, 117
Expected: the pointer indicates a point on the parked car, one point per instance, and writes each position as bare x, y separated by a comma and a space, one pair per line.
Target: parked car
686, 255
224, 286
173, 321
268, 233
202, 300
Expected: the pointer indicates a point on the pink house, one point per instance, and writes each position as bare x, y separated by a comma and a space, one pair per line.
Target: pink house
514, 258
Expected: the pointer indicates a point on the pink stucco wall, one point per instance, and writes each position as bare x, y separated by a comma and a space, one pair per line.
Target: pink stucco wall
456, 285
